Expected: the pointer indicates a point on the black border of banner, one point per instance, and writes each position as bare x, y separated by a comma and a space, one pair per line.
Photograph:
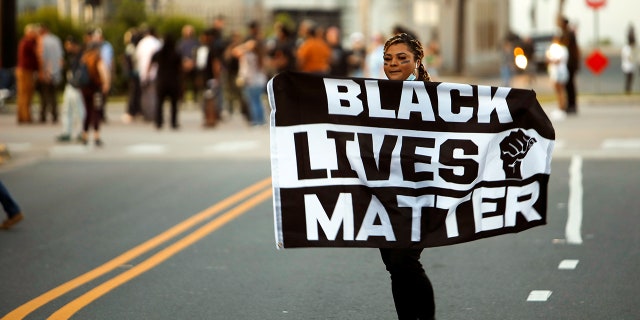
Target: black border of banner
433, 229
299, 101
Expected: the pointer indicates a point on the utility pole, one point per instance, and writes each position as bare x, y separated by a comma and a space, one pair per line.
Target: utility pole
8, 34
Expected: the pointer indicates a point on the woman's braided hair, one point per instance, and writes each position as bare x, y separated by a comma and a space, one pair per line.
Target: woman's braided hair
416, 48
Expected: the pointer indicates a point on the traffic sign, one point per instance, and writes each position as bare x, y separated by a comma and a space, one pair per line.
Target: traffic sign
597, 62
596, 4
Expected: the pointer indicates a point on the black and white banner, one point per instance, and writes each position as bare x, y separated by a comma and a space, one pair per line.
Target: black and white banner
379, 163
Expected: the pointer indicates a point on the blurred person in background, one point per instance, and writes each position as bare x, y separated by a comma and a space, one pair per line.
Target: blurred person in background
557, 57
169, 65
433, 56
51, 60
145, 49
73, 110
374, 61
187, 47
233, 91
26, 72
98, 86
212, 78
356, 55
134, 109
506, 61
106, 55
338, 62
251, 75
282, 53
314, 54
629, 58
568, 39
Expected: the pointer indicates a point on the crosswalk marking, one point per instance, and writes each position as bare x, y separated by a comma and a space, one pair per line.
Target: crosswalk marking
68, 150
231, 146
620, 144
147, 148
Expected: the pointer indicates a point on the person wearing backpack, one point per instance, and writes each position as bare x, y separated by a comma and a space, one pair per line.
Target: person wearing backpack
93, 92
72, 101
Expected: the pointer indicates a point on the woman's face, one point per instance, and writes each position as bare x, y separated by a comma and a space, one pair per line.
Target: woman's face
399, 62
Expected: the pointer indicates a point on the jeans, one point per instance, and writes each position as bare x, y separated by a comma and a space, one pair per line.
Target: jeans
9, 205
253, 95
72, 109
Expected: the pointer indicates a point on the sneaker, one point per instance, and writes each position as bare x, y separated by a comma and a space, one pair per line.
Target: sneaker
63, 138
11, 221
98, 143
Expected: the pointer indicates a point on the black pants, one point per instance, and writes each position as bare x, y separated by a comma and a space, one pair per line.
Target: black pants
570, 87
173, 94
92, 114
133, 104
411, 288
48, 101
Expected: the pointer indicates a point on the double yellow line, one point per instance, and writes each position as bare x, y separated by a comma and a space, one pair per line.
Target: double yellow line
254, 195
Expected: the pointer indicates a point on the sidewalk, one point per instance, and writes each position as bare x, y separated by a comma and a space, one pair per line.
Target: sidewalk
233, 137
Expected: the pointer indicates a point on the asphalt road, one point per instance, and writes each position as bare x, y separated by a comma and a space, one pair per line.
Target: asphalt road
156, 225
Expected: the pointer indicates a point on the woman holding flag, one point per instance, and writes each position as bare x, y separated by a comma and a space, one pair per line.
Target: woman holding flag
411, 288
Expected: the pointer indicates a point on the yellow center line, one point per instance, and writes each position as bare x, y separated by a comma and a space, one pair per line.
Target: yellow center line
74, 306
29, 307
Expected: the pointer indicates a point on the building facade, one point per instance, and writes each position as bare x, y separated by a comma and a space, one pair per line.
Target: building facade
469, 31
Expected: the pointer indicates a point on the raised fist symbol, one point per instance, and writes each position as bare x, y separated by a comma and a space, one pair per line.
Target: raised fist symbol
513, 149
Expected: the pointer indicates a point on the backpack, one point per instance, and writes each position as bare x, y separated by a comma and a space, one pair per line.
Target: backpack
85, 72
80, 75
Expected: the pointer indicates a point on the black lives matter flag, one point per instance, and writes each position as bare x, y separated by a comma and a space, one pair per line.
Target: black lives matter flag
381, 163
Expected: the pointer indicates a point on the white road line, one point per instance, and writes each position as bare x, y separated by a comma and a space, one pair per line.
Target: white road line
568, 264
231, 146
19, 146
574, 219
539, 295
68, 149
620, 144
147, 149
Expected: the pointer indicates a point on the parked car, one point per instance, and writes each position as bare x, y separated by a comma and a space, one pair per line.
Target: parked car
540, 45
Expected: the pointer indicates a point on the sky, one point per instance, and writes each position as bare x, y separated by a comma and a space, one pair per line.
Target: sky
613, 19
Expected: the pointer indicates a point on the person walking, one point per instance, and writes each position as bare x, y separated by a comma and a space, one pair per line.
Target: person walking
412, 291
26, 68
11, 208
92, 93
73, 110
629, 58
168, 63
51, 61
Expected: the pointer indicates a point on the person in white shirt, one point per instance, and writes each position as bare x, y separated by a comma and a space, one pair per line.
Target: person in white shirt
145, 49
629, 60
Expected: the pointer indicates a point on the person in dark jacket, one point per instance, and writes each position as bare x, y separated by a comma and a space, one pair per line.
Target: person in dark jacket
169, 65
